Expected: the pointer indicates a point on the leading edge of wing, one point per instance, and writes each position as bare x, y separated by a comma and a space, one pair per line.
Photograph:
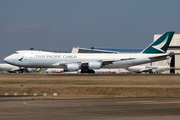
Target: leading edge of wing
104, 62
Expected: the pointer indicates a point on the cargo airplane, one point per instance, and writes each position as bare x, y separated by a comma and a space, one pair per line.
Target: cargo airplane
87, 62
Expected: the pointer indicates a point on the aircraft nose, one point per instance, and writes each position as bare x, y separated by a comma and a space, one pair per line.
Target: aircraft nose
9, 60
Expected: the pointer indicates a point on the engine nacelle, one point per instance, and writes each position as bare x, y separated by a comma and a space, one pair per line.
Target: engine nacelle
94, 65
72, 67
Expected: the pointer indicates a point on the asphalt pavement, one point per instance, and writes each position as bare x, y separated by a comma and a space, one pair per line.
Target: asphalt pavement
92, 109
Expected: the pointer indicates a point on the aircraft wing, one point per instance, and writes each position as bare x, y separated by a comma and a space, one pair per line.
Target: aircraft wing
103, 62
107, 62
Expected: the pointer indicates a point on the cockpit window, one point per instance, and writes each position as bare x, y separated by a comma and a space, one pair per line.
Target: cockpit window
15, 52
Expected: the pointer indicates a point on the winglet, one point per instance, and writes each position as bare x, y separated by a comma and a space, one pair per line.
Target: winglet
160, 45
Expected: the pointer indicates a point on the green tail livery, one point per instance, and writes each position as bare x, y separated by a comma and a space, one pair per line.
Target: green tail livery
160, 45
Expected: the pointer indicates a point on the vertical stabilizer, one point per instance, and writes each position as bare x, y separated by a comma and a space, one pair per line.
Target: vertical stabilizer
160, 45
168, 62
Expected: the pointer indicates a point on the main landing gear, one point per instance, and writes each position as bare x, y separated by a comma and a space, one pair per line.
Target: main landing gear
87, 71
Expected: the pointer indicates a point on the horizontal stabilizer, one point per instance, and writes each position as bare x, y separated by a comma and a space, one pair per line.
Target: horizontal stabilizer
161, 57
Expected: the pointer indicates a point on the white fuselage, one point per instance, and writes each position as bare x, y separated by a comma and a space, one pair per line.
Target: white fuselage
148, 68
8, 67
40, 59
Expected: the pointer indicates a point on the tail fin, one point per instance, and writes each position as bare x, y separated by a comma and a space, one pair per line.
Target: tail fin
160, 45
168, 62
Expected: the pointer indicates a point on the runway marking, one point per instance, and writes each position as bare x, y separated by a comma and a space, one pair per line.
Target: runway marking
149, 102
136, 102
36, 103
163, 102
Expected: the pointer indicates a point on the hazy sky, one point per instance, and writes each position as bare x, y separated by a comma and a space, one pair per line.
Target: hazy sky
59, 25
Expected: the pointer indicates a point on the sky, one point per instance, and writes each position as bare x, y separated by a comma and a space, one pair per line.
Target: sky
60, 25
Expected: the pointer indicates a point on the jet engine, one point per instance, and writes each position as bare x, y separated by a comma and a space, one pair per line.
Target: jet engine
94, 65
72, 67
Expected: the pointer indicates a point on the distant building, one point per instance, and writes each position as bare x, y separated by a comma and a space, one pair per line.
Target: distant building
104, 50
173, 47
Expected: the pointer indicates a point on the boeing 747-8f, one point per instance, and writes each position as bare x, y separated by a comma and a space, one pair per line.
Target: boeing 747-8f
87, 62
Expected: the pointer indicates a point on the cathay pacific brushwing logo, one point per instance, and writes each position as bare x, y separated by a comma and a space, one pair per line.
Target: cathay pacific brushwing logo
159, 46
20, 59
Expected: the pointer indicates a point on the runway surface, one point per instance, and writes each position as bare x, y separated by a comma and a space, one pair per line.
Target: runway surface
96, 109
